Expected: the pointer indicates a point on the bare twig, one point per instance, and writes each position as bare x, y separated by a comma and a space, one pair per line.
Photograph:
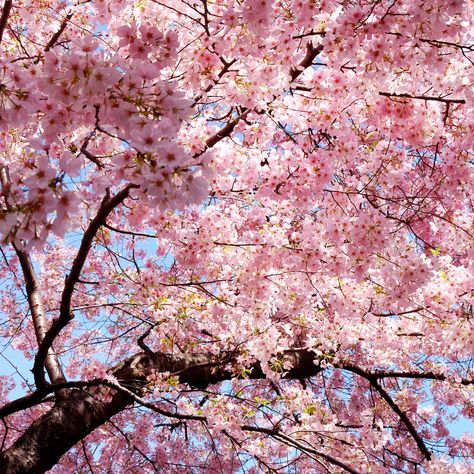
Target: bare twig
129, 232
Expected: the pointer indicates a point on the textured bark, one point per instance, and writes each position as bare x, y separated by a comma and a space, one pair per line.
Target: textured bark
52, 435
38, 314
79, 412
7, 6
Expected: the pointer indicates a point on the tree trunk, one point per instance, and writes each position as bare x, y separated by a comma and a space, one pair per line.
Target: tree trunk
79, 412
57, 431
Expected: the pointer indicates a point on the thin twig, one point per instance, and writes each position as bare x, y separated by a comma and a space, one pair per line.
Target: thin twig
423, 97
401, 414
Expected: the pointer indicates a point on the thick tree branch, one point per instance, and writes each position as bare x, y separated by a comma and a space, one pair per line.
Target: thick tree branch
65, 314
225, 131
38, 396
383, 374
197, 370
58, 33
311, 54
76, 415
82, 410
7, 6
38, 315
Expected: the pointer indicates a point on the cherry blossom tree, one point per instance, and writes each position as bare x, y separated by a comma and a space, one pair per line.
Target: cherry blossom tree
236, 235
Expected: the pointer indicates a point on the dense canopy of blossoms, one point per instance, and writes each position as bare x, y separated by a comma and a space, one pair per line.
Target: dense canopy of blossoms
236, 236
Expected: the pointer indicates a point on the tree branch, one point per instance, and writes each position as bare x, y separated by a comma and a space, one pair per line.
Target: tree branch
311, 54
307, 61
65, 315
424, 97
33, 292
94, 402
129, 232
381, 374
38, 396
402, 415
327, 457
38, 315
223, 71
81, 411
58, 33
225, 131
7, 6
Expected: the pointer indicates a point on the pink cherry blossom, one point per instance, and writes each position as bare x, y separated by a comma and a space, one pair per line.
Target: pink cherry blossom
236, 236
